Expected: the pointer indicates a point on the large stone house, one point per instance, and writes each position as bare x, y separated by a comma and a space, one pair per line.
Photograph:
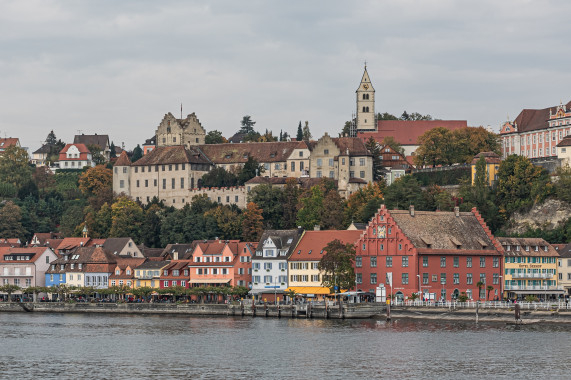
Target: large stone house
172, 131
167, 172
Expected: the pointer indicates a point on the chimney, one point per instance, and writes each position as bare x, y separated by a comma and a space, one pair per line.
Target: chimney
316, 227
411, 210
299, 229
457, 211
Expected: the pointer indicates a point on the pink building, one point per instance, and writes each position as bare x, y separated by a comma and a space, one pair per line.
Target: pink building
25, 267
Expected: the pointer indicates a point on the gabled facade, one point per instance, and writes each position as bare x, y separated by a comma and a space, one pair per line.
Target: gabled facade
148, 274
437, 254
176, 273
9, 141
213, 264
269, 264
43, 239
75, 156
99, 141
186, 132
304, 275
25, 267
124, 272
124, 247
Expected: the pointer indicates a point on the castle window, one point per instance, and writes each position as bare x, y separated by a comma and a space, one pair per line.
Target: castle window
124, 169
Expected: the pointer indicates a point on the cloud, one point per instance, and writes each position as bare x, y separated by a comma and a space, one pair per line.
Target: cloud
118, 67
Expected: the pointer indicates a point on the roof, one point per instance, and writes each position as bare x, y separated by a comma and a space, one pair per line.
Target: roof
357, 226
276, 151
184, 250
150, 252
93, 260
73, 242
115, 245
312, 244
534, 119
44, 237
303, 182
527, 242
444, 231
9, 141
177, 154
33, 252
565, 142
283, 239
46, 148
153, 265
565, 252
123, 160
354, 145
490, 157
152, 141
100, 140
407, 132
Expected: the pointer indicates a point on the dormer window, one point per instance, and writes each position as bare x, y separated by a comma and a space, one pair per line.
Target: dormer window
128, 272
508, 248
165, 272
517, 248
72, 266
309, 253
527, 248
117, 272
545, 248
536, 248
79, 266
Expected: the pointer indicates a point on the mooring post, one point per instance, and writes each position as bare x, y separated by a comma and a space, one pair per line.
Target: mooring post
517, 312
477, 309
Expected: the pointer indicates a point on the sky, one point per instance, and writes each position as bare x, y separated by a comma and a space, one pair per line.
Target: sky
117, 67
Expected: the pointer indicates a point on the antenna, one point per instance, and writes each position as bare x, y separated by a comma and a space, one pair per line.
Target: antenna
181, 110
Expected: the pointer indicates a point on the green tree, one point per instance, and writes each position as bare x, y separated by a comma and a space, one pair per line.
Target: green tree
346, 131
306, 132
403, 192
9, 289
252, 223
415, 116
435, 148
480, 285
151, 227
51, 139
299, 135
11, 221
311, 210
364, 203
489, 288
563, 184
469, 141
228, 221
386, 116
127, 217
96, 154
137, 153
337, 265
218, 177
71, 218
247, 125
375, 150
250, 170
270, 200
291, 195
113, 153
14, 167
214, 137
43, 178
102, 222
332, 217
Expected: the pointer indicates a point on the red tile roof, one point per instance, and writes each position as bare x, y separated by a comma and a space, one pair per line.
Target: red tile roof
534, 119
312, 244
33, 252
407, 132
123, 160
490, 157
9, 141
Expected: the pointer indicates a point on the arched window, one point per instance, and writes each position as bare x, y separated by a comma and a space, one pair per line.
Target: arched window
365, 96
365, 109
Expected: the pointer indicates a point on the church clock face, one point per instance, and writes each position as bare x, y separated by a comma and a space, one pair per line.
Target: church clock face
366, 86
382, 232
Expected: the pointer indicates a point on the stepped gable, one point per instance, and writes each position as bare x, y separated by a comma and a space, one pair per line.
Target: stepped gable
529, 242
277, 151
177, 154
440, 231
407, 132
531, 119
123, 160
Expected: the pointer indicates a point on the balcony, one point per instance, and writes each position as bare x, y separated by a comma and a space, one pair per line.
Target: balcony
532, 287
533, 275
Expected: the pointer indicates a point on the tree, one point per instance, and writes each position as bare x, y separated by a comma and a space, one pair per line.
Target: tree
51, 138
291, 194
386, 116
250, 170
306, 132
375, 150
337, 265
113, 153
218, 177
480, 285
151, 227
44, 178
489, 288
97, 185
332, 218
11, 221
96, 154
247, 125
252, 223
270, 200
228, 220
435, 148
403, 192
299, 135
137, 153
214, 137
563, 184
14, 167
469, 141
127, 217
417, 116
9, 289
364, 203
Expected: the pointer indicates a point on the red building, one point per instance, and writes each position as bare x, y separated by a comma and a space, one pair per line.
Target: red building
175, 274
440, 254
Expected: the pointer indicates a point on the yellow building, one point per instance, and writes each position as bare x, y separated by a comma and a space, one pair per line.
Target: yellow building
148, 274
304, 276
530, 268
492, 166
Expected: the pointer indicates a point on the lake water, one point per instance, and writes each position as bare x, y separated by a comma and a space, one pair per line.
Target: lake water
74, 346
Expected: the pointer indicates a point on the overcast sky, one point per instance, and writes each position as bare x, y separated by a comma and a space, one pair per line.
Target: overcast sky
116, 67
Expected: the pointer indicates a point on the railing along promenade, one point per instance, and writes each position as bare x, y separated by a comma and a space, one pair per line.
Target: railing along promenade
559, 304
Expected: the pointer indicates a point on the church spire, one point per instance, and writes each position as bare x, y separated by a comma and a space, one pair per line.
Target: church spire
366, 104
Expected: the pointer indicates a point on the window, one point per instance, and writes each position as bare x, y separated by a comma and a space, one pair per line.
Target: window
359, 279
443, 262
358, 261
443, 278
373, 261
483, 277
267, 266
456, 261
293, 166
373, 278
164, 183
404, 278
469, 278
468, 262
456, 278
425, 261
425, 278
482, 262
496, 279
389, 261
362, 174
331, 163
405, 261
496, 262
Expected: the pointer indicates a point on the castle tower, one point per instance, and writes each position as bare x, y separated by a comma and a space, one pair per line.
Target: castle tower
122, 175
366, 104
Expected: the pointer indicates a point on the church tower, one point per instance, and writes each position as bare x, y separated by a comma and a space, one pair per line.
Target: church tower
366, 104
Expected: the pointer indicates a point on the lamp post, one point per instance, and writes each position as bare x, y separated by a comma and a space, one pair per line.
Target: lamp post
419, 290
501, 294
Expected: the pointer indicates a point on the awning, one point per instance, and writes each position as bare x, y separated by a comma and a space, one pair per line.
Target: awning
211, 281
557, 291
309, 289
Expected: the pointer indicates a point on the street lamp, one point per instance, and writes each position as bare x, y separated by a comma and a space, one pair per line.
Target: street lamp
419, 290
501, 294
